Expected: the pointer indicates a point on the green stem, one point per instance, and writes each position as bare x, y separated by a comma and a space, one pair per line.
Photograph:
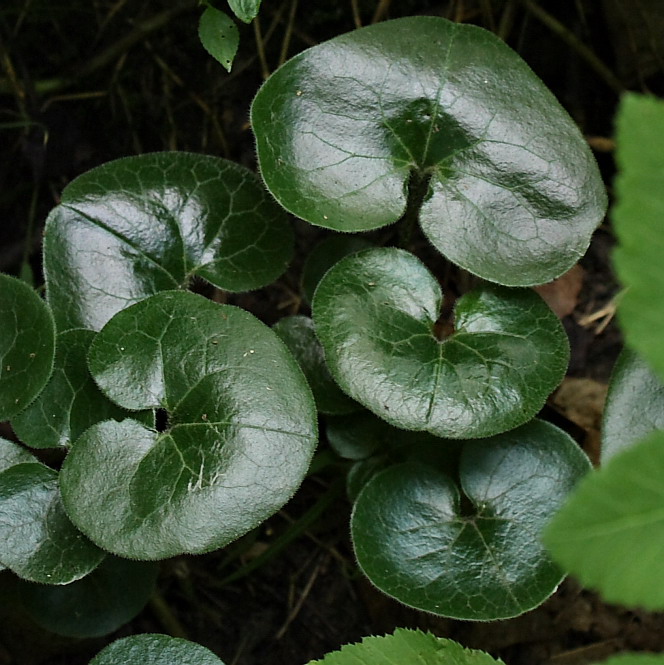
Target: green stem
418, 186
166, 617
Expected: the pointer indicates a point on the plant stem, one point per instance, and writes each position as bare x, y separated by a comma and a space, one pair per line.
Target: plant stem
418, 186
166, 617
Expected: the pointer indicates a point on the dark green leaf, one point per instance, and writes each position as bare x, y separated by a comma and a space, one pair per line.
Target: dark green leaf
444, 114
219, 35
634, 405
324, 255
241, 431
71, 401
610, 534
155, 650
100, 603
37, 540
27, 345
406, 647
245, 10
469, 552
135, 226
375, 314
298, 334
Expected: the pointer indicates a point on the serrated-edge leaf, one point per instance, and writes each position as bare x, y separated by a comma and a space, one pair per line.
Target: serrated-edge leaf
219, 36
245, 10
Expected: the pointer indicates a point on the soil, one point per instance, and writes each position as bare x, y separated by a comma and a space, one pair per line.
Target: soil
163, 91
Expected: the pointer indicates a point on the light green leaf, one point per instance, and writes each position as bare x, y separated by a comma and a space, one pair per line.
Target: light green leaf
635, 659
37, 540
298, 334
150, 649
634, 405
441, 121
406, 647
241, 430
71, 401
27, 345
245, 10
375, 314
613, 511
637, 221
99, 604
219, 36
136, 226
471, 551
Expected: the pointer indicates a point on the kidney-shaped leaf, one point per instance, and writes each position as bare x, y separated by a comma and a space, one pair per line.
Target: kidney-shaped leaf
241, 430
469, 552
151, 649
634, 404
375, 314
135, 226
37, 540
27, 345
406, 647
444, 114
70, 402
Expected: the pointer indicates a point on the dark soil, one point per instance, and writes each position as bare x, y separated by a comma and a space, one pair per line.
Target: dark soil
63, 112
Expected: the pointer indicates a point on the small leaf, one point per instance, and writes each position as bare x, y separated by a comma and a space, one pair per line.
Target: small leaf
634, 405
637, 222
240, 436
99, 604
219, 35
612, 512
139, 225
416, 539
442, 119
27, 345
37, 540
150, 649
375, 314
71, 401
406, 647
245, 10
324, 255
298, 334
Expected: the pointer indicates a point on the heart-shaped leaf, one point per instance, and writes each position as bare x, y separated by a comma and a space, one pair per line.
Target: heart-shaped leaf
406, 647
71, 401
634, 405
469, 552
242, 429
219, 36
375, 314
27, 345
37, 540
135, 226
298, 334
421, 115
110, 596
155, 650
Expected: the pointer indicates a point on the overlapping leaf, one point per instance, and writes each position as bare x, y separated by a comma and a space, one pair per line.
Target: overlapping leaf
136, 226
375, 314
241, 430
438, 118
471, 551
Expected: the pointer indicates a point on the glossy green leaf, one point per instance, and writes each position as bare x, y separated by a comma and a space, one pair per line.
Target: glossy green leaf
634, 405
324, 255
153, 649
245, 10
637, 220
443, 118
37, 540
240, 436
469, 552
219, 36
27, 345
375, 314
610, 534
135, 226
298, 334
71, 401
406, 647
99, 604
